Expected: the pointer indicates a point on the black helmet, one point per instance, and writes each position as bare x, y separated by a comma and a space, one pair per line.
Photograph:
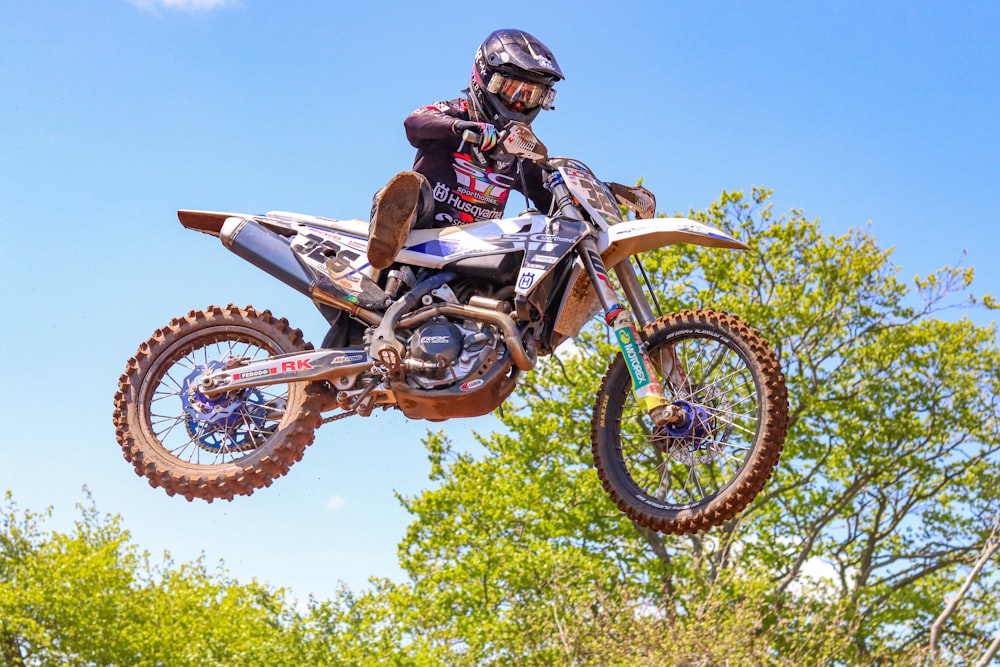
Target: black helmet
512, 78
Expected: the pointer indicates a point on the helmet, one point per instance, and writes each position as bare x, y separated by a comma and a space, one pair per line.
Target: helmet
512, 78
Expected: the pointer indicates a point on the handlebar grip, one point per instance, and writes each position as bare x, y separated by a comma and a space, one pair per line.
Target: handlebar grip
472, 137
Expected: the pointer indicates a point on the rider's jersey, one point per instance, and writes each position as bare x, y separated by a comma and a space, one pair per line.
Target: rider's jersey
464, 190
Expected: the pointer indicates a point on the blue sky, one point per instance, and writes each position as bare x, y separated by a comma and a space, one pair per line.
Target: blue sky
113, 114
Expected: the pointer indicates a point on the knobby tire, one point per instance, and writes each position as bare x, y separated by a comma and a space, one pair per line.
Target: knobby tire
690, 484
260, 441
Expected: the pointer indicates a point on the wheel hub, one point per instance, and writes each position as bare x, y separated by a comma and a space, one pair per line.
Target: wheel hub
227, 421
695, 425
690, 440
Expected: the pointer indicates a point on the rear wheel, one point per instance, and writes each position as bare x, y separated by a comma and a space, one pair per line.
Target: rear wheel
701, 472
212, 447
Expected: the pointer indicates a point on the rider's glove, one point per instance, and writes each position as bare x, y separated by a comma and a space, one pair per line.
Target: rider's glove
488, 138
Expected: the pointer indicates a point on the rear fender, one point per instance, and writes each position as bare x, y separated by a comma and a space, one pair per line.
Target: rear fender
287, 224
207, 222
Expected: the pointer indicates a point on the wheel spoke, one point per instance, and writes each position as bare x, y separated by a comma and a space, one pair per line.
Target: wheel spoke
675, 477
693, 476
218, 445
237, 420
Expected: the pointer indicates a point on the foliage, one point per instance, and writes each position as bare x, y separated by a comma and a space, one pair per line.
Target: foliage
892, 459
887, 485
515, 556
89, 598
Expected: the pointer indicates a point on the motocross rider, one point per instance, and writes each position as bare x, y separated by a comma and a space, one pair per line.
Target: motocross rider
452, 182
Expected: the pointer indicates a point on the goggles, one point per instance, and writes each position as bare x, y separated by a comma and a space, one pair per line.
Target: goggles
515, 90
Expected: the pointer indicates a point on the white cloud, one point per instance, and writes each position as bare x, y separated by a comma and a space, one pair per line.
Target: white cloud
191, 6
818, 569
336, 503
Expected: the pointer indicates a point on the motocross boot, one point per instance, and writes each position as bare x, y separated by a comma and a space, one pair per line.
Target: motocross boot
395, 212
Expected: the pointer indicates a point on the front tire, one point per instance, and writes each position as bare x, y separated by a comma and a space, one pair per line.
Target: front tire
699, 473
218, 447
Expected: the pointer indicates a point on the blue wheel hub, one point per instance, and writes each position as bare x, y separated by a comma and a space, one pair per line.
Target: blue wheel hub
228, 420
696, 425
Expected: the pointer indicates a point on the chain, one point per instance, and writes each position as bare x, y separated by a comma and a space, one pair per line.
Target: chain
342, 415
376, 368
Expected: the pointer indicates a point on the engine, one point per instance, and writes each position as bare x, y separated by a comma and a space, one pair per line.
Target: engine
443, 352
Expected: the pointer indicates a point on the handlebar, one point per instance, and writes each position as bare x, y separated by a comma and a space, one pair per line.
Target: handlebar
515, 139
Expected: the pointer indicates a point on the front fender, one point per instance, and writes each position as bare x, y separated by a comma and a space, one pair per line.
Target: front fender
620, 242
635, 236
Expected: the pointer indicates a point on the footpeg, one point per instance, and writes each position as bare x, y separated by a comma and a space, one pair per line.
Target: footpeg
390, 358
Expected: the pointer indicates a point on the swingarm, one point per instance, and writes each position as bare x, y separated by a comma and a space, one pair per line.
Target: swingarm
239, 373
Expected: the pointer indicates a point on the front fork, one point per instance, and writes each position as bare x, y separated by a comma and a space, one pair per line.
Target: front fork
645, 384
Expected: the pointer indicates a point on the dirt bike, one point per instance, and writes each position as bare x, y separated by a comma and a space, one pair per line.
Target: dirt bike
688, 423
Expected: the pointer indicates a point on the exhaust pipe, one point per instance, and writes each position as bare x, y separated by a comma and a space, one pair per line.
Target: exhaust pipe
267, 251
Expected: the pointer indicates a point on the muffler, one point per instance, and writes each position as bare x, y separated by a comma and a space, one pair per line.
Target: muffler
267, 251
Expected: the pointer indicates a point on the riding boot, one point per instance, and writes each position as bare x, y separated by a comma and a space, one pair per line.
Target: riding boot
395, 211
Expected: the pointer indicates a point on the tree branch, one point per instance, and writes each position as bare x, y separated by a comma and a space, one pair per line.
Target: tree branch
992, 544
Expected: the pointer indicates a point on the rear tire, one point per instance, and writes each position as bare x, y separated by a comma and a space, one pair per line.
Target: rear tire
700, 474
221, 447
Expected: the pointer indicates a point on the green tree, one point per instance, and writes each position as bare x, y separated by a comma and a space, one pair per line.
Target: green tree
516, 556
889, 480
88, 597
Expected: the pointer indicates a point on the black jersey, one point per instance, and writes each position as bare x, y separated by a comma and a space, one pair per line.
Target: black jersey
464, 190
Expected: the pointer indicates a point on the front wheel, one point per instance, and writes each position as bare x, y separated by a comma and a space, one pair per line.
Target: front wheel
220, 446
700, 472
